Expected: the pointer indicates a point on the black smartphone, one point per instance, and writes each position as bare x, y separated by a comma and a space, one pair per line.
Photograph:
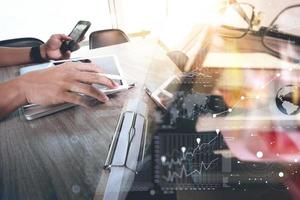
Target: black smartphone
77, 34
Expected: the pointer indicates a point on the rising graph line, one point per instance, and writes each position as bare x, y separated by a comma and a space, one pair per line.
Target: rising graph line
171, 175
245, 98
187, 166
179, 161
271, 80
183, 172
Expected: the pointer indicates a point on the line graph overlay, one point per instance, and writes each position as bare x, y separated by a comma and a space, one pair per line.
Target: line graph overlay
244, 98
183, 172
187, 162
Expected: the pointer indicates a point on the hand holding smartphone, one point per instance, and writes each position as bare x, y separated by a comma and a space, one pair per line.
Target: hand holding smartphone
77, 35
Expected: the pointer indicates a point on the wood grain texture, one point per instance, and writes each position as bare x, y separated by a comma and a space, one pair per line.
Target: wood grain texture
61, 156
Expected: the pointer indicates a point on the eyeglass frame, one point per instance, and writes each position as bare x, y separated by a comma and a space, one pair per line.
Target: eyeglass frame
250, 21
280, 35
264, 30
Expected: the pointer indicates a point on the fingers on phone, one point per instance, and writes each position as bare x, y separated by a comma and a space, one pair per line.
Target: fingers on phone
61, 37
67, 55
64, 37
90, 91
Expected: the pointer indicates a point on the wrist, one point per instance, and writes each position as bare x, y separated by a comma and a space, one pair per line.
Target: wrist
18, 87
36, 54
43, 52
14, 97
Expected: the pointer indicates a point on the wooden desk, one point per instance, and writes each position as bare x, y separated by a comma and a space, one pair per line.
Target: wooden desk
61, 156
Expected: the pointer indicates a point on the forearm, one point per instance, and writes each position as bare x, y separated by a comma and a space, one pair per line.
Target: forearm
12, 97
14, 56
17, 56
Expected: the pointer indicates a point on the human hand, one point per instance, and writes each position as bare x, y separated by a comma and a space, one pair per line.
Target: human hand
51, 49
64, 83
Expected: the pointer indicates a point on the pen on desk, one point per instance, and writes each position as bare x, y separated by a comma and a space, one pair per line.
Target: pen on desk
126, 150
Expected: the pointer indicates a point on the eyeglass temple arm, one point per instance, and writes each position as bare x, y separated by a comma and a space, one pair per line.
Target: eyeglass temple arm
242, 13
263, 31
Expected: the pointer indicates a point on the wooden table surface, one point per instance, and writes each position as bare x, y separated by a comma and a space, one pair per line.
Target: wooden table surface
61, 156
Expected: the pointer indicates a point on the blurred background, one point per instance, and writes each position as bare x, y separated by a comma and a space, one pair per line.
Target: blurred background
138, 18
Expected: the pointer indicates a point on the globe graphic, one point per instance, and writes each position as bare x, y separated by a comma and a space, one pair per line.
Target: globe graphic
287, 100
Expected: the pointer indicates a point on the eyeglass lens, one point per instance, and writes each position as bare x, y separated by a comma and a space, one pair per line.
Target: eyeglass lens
236, 20
283, 36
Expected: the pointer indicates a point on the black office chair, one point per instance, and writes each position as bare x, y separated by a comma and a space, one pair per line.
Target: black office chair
21, 42
107, 37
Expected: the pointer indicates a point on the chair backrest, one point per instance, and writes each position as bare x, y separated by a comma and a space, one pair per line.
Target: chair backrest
21, 42
106, 38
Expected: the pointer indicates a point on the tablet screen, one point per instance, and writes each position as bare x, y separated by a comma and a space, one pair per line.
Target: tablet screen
108, 64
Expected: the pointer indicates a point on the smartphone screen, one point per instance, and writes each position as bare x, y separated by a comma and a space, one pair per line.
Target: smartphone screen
77, 32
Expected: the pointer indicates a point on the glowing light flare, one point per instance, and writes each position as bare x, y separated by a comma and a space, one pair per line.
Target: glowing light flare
259, 154
185, 20
195, 11
137, 15
232, 18
281, 174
